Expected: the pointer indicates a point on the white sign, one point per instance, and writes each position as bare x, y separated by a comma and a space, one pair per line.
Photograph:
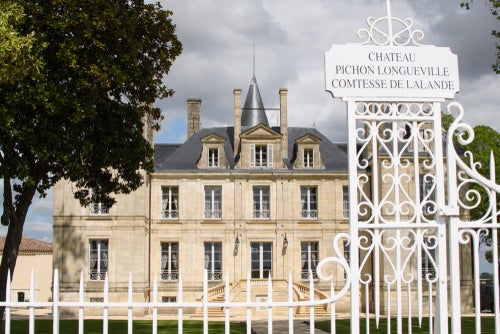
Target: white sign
388, 71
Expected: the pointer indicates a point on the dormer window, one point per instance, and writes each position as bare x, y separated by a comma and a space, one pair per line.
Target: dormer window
212, 153
308, 158
213, 157
261, 155
308, 152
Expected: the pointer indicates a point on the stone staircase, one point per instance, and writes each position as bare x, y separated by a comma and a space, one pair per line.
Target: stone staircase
259, 291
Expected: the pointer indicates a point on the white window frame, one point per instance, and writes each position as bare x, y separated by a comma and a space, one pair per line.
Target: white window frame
169, 261
261, 155
97, 208
309, 202
170, 202
308, 157
213, 157
309, 258
213, 260
261, 249
261, 202
98, 259
213, 202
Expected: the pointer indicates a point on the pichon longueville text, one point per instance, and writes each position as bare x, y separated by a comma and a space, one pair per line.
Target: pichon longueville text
387, 71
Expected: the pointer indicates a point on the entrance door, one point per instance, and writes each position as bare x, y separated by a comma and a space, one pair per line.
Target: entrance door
262, 259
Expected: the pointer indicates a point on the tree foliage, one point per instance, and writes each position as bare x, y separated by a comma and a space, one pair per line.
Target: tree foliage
494, 9
80, 115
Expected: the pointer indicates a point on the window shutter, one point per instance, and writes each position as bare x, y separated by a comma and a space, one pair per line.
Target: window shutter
269, 155
252, 155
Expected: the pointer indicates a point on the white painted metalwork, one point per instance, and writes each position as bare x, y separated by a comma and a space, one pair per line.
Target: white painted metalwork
56, 305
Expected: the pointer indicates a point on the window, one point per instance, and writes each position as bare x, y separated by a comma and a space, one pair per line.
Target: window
262, 259
345, 201
261, 156
213, 157
429, 258
169, 261
308, 158
20, 297
170, 203
168, 299
213, 202
97, 208
308, 202
427, 194
98, 259
261, 202
213, 260
309, 259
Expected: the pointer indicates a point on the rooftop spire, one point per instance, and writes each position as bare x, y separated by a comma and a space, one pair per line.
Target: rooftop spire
253, 110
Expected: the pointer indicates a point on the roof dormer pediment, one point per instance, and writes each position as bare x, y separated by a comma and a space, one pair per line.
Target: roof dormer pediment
213, 138
260, 131
308, 139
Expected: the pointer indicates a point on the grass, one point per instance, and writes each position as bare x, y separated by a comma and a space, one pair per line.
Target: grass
120, 326
195, 326
468, 325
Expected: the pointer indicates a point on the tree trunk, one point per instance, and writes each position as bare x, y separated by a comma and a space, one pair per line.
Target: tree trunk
13, 240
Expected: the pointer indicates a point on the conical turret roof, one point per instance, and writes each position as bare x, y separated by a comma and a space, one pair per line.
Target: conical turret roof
253, 110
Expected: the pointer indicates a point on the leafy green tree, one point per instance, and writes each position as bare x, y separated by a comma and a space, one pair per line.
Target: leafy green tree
494, 6
81, 114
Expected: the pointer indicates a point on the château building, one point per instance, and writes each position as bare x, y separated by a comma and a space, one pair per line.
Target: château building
244, 200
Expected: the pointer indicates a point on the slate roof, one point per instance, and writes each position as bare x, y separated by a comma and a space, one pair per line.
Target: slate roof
29, 245
184, 157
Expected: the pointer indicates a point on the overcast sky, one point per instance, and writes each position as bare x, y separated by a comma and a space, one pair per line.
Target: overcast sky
291, 37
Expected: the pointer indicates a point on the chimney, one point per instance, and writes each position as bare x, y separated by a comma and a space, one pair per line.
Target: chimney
284, 122
237, 119
193, 116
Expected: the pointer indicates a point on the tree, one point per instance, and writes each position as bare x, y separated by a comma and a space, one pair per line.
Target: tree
494, 5
80, 115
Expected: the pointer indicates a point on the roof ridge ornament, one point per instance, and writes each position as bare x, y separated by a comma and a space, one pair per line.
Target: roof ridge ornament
404, 35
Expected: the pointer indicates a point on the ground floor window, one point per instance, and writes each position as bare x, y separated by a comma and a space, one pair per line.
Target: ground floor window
213, 260
169, 261
98, 259
262, 259
309, 259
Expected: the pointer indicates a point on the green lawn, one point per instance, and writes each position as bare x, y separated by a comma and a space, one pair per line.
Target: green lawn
192, 326
120, 326
468, 326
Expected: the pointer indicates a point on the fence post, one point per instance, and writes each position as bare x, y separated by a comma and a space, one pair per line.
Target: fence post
32, 300
180, 323
155, 306
80, 307
7, 305
55, 302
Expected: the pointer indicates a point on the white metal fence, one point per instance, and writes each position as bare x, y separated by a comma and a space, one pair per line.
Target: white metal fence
180, 304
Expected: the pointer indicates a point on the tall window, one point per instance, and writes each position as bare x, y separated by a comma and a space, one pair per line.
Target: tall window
213, 202
170, 203
97, 208
309, 259
308, 158
428, 258
261, 208
345, 201
213, 157
262, 259
308, 202
213, 260
169, 261
261, 155
427, 194
98, 259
